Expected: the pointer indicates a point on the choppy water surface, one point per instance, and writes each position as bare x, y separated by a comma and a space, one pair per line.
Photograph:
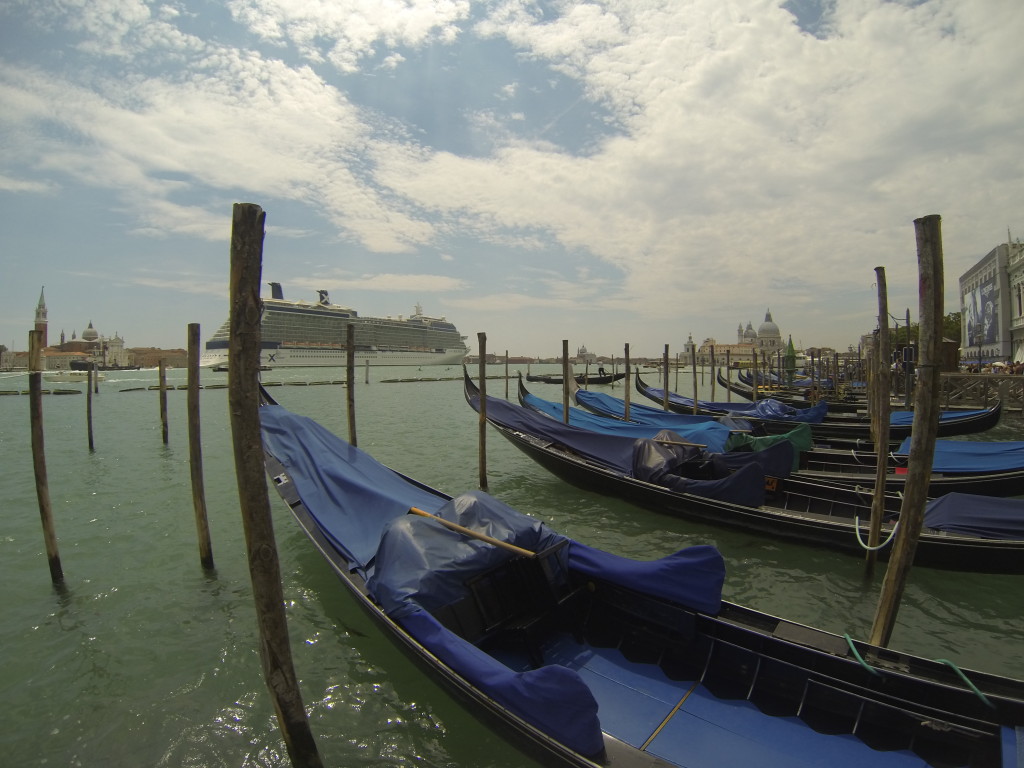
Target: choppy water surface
143, 659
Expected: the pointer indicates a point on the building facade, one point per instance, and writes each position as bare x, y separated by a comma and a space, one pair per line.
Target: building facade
990, 308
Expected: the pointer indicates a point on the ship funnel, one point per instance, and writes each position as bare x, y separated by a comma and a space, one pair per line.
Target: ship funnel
324, 299
275, 291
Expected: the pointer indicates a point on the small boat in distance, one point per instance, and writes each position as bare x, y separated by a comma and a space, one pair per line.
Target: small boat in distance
301, 334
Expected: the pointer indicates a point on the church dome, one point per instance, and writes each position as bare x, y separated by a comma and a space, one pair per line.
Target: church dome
750, 335
768, 327
90, 333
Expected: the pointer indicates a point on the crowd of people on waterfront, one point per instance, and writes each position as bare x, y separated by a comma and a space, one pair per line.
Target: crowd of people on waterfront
1008, 367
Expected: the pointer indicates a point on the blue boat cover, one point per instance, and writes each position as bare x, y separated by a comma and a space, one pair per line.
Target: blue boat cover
553, 698
906, 418
352, 495
707, 432
414, 563
420, 562
973, 455
617, 452
762, 409
987, 517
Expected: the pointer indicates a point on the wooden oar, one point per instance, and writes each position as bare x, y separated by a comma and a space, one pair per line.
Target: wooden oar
473, 534
680, 442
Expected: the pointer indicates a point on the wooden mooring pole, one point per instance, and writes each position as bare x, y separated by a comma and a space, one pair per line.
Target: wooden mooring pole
264, 568
879, 399
566, 373
195, 450
88, 406
35, 403
926, 423
629, 381
163, 400
350, 380
481, 342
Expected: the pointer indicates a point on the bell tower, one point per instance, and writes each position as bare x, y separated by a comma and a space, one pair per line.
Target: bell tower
41, 316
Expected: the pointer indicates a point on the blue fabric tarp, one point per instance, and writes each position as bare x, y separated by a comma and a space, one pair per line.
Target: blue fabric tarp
553, 698
762, 409
973, 455
614, 452
906, 418
986, 517
419, 561
415, 563
353, 496
706, 432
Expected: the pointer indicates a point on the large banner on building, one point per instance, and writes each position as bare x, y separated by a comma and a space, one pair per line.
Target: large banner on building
979, 313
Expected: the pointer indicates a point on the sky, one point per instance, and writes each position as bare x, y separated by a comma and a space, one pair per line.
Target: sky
625, 171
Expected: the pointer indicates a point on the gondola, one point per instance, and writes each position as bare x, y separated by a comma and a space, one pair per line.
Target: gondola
582, 379
797, 397
838, 429
961, 531
589, 659
959, 466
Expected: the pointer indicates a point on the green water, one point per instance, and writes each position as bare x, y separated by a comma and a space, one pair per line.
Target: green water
144, 659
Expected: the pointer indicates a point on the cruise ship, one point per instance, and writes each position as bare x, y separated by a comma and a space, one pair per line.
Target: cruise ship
303, 334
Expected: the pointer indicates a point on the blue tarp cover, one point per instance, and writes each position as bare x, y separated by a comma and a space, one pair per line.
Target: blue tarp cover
353, 496
762, 409
616, 452
707, 432
973, 455
363, 506
419, 561
986, 517
906, 418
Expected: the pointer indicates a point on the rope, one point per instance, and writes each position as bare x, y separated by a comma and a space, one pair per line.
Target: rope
967, 682
856, 530
857, 656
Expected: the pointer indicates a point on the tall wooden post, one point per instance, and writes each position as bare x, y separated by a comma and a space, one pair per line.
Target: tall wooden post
264, 567
506, 374
163, 400
629, 381
88, 405
350, 381
879, 398
728, 375
481, 342
693, 363
35, 402
926, 423
713, 373
566, 373
195, 450
664, 367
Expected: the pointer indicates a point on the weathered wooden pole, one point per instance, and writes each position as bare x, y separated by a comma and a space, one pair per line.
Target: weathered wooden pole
350, 381
629, 381
88, 406
664, 367
713, 376
879, 398
163, 401
693, 364
264, 567
506, 374
35, 402
926, 422
481, 341
728, 375
195, 450
566, 373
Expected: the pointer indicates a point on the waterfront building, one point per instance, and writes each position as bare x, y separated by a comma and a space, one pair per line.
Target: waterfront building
992, 321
